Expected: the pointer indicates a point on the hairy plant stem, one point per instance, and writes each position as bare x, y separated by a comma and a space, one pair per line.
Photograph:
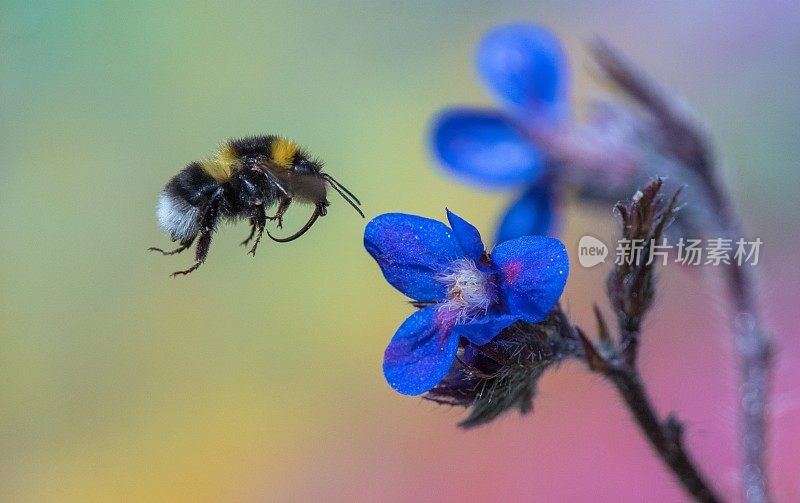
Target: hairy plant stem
686, 141
665, 437
755, 351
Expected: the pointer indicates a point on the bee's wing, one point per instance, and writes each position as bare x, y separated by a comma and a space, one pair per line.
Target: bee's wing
276, 174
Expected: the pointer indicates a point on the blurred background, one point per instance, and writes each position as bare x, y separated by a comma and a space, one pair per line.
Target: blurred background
259, 379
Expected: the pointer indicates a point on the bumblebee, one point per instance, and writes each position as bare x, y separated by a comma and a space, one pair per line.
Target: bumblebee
243, 180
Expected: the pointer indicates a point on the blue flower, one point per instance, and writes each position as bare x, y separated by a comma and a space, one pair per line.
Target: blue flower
524, 67
463, 290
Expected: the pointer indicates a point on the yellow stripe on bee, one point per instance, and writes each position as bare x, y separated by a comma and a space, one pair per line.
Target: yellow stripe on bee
283, 151
220, 167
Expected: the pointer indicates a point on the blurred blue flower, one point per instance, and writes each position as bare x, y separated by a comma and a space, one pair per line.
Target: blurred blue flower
525, 68
462, 290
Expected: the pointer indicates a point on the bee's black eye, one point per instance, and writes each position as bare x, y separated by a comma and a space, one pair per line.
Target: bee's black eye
305, 167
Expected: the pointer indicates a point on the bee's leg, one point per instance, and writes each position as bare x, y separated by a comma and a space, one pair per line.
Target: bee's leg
259, 221
282, 207
252, 232
186, 243
204, 242
201, 252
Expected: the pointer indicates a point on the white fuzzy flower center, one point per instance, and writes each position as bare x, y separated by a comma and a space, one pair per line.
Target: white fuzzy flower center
470, 292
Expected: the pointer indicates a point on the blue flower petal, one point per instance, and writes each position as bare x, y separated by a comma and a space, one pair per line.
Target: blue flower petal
525, 66
419, 355
410, 250
484, 147
487, 328
530, 215
533, 271
467, 235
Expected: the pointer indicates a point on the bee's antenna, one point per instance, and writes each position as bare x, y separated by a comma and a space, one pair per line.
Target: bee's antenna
342, 190
333, 181
348, 200
314, 217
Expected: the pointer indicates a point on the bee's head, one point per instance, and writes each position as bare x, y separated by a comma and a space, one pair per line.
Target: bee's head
309, 182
